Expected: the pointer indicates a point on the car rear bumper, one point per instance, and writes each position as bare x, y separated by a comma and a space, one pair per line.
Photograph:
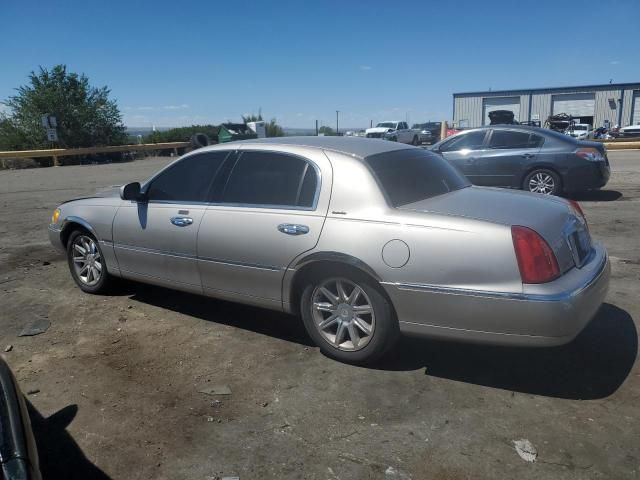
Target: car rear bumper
542, 315
588, 177
55, 237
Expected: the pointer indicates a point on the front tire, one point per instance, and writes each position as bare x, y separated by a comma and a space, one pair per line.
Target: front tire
86, 263
544, 181
415, 141
348, 317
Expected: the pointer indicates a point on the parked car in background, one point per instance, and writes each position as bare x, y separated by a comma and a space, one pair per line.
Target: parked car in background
428, 132
581, 131
535, 159
631, 131
364, 239
18, 452
395, 131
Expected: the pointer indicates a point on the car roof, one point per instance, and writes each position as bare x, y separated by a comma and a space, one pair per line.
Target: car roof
358, 146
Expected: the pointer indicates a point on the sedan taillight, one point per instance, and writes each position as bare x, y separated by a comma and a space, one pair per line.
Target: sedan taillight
536, 260
591, 154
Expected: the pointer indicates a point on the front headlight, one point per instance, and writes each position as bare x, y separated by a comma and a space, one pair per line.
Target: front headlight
55, 216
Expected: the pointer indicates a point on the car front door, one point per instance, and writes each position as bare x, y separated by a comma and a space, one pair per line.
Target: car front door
271, 208
506, 156
463, 150
155, 239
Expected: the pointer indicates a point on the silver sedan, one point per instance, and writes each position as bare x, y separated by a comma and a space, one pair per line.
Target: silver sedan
364, 239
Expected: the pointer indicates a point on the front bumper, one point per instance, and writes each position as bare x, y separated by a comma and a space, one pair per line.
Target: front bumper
55, 237
541, 315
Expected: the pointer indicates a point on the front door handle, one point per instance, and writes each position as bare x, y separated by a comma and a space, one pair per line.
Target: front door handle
528, 155
181, 221
293, 229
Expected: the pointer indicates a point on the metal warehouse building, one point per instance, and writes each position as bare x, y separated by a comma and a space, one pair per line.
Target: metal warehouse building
618, 103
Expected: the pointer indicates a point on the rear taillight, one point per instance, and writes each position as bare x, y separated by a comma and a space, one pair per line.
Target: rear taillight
576, 206
591, 154
536, 260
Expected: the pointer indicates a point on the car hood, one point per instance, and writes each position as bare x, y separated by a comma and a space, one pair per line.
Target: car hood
549, 216
109, 192
379, 130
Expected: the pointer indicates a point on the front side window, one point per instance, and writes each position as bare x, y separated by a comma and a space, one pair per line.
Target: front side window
464, 141
188, 180
271, 179
505, 139
408, 176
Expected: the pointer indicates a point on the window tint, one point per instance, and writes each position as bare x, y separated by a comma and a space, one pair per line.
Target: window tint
464, 141
188, 180
501, 139
408, 176
267, 178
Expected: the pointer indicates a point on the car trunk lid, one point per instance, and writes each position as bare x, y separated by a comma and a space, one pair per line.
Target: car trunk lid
551, 217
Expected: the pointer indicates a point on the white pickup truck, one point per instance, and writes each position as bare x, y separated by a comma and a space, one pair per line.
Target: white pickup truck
396, 131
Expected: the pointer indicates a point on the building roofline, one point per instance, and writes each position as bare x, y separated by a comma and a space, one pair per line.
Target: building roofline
550, 89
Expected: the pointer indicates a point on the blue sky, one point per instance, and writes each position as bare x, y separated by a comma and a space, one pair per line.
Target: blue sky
181, 62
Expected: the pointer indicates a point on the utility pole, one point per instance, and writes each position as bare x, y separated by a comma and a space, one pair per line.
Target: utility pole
316, 128
337, 113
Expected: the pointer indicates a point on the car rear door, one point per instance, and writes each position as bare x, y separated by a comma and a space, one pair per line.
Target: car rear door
462, 151
270, 208
507, 154
155, 238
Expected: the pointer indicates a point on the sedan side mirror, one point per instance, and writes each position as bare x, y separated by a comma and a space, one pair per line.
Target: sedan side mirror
130, 191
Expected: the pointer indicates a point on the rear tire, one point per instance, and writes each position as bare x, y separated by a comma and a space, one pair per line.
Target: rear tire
544, 181
348, 317
87, 264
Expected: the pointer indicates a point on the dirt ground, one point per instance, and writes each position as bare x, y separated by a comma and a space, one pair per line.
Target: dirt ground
118, 377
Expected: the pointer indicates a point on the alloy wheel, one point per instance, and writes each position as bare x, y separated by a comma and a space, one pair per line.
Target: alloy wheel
343, 314
542, 183
87, 261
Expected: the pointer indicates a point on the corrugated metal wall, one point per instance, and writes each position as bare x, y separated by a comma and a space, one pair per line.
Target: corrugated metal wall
469, 106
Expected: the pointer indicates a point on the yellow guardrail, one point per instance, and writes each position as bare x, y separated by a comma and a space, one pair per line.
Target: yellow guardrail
66, 152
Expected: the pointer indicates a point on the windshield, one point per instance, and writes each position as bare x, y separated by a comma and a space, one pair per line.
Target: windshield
387, 125
580, 127
408, 176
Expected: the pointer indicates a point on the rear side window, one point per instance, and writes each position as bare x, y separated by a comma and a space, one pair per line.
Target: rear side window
188, 180
464, 141
271, 179
505, 139
408, 176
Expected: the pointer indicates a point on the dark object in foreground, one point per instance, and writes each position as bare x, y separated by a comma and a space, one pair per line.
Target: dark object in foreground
18, 453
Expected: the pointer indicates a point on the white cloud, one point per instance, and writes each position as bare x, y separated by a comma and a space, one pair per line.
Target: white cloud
176, 107
4, 109
615, 62
365, 67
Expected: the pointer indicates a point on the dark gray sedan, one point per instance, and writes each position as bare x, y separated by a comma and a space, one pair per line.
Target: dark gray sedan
528, 158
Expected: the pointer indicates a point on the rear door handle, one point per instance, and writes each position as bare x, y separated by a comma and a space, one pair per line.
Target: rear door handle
528, 155
181, 221
293, 229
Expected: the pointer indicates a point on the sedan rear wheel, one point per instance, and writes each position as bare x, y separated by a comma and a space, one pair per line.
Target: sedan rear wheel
87, 263
543, 181
348, 318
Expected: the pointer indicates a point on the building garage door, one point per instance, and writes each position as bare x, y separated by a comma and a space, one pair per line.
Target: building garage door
489, 104
635, 115
574, 104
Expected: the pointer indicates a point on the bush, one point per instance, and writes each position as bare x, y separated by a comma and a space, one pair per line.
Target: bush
182, 134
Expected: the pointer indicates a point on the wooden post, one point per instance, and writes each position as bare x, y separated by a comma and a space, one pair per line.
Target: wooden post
443, 130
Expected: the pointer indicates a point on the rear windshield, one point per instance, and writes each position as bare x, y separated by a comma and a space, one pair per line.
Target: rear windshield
411, 175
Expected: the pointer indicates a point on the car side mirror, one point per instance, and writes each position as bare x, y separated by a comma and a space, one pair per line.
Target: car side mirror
130, 191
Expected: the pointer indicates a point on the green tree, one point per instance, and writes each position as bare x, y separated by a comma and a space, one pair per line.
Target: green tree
85, 115
328, 131
273, 129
